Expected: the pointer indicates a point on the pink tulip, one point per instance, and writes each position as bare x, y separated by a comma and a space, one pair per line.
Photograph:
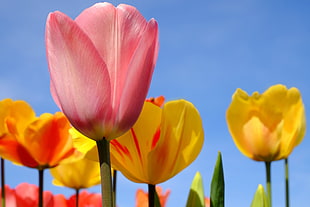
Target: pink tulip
101, 65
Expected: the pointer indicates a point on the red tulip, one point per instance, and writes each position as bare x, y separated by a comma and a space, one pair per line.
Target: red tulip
10, 199
26, 195
101, 66
86, 199
60, 200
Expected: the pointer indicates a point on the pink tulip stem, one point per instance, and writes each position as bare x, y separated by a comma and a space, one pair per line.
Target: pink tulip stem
151, 189
2, 182
114, 186
77, 192
287, 192
103, 147
41, 178
268, 182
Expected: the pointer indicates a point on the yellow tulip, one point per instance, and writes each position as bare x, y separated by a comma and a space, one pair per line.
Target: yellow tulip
82, 173
267, 127
162, 143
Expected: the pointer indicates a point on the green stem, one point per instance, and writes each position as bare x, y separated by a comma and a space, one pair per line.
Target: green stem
114, 187
287, 192
77, 193
268, 182
41, 178
103, 147
2, 182
151, 189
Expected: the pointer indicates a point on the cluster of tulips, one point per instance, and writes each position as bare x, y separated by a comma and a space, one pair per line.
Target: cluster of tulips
26, 195
101, 66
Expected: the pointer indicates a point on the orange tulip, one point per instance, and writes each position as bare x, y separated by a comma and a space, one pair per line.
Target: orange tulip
268, 126
142, 197
41, 142
158, 101
207, 202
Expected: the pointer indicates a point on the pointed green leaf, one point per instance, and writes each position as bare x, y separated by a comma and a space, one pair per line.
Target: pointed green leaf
156, 200
217, 184
260, 198
196, 193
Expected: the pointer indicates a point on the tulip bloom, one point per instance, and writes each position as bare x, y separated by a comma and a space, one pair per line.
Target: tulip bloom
26, 195
207, 202
43, 143
159, 101
81, 173
143, 201
267, 127
101, 66
86, 199
162, 142
10, 199
18, 113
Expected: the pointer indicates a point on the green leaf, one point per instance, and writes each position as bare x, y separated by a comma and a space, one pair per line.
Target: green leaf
196, 193
156, 200
217, 184
260, 198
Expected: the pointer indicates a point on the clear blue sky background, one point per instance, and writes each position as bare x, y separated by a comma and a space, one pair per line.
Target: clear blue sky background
207, 50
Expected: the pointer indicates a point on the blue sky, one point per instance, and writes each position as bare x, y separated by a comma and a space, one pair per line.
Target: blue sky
207, 50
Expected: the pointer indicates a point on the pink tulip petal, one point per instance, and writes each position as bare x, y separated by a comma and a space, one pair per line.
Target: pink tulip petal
140, 71
79, 77
115, 33
124, 32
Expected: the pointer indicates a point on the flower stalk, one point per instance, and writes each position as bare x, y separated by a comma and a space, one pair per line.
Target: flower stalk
268, 182
287, 193
2, 182
103, 147
77, 193
114, 187
41, 180
151, 189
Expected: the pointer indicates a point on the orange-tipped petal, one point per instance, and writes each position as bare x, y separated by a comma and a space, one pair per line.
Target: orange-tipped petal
159, 101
